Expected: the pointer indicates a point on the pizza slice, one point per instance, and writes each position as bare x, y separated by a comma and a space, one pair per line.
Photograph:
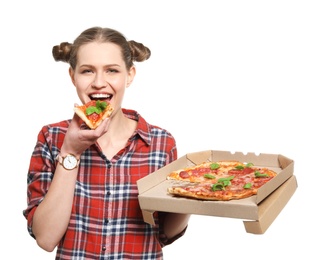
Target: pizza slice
94, 112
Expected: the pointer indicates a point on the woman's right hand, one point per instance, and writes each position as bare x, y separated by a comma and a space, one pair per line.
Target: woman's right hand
77, 140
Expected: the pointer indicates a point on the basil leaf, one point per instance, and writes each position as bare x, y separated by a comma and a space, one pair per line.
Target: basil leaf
92, 109
247, 185
214, 166
226, 179
248, 165
209, 176
260, 175
218, 186
226, 183
100, 106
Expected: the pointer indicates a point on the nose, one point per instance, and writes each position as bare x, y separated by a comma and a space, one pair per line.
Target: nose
99, 81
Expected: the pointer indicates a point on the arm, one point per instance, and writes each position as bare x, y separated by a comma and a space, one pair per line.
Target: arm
175, 223
51, 218
52, 215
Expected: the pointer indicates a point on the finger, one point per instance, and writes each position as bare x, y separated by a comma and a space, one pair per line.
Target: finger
103, 127
76, 121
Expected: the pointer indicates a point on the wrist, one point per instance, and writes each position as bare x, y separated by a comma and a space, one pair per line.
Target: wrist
69, 161
64, 151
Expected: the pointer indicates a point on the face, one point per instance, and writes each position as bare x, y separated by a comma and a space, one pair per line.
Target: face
101, 73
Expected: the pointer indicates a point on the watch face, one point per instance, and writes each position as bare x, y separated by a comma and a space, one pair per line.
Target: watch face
70, 162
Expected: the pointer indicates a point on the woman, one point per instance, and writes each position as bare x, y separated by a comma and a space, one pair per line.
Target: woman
92, 210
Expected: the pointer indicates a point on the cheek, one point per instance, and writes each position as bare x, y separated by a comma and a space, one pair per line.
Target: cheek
81, 83
118, 83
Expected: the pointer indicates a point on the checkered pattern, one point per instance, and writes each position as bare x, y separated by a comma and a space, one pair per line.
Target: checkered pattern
106, 220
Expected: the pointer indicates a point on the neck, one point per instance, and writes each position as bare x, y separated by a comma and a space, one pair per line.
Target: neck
120, 130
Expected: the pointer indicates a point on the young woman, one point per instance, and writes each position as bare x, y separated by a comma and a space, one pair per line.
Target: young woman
91, 210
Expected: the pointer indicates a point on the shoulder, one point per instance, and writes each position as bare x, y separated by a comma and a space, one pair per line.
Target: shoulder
50, 138
58, 126
54, 130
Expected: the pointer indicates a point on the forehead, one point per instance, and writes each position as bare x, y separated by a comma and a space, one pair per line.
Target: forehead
99, 52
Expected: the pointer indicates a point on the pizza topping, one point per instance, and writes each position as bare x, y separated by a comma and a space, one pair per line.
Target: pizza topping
184, 174
247, 185
99, 107
201, 172
222, 183
226, 181
214, 166
260, 175
222, 180
248, 165
209, 176
218, 186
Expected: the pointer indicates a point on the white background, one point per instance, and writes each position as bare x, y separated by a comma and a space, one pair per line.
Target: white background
223, 75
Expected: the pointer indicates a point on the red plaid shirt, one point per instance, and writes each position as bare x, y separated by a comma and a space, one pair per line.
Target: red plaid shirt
106, 220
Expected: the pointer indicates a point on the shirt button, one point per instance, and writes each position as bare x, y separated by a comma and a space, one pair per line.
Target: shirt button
104, 248
108, 193
106, 221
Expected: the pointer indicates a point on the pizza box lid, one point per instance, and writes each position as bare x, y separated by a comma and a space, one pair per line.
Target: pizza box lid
153, 194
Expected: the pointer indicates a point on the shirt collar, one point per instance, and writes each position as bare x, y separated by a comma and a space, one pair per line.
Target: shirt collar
143, 128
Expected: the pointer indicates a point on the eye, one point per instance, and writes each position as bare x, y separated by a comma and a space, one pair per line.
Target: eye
86, 71
111, 71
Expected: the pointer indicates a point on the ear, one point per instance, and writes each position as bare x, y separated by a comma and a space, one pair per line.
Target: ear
131, 76
71, 72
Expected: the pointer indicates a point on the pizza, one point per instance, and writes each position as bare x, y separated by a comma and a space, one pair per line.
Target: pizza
94, 112
221, 180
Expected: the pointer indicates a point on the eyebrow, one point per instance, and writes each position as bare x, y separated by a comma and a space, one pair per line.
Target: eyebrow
107, 65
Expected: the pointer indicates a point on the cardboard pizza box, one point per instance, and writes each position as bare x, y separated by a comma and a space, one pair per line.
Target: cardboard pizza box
258, 211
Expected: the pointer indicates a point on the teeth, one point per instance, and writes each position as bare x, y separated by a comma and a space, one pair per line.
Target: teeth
100, 95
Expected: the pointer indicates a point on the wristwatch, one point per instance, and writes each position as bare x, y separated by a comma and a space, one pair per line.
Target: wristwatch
69, 162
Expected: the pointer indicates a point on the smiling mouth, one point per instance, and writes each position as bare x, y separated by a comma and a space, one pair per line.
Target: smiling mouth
102, 97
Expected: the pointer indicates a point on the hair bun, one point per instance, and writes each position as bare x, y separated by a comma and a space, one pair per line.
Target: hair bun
62, 52
139, 51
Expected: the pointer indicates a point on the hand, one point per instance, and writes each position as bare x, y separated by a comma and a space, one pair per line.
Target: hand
77, 140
